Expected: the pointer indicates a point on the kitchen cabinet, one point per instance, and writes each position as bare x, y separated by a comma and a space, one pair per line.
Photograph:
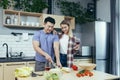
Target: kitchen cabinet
21, 19
30, 64
57, 18
9, 69
1, 71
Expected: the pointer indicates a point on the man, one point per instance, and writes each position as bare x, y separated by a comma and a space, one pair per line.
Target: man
46, 45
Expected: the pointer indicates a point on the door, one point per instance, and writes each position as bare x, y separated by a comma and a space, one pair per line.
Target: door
31, 64
9, 69
1, 71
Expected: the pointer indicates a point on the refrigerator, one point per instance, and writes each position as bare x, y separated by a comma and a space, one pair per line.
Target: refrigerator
96, 35
102, 46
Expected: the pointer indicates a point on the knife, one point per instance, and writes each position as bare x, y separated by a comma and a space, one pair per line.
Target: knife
54, 64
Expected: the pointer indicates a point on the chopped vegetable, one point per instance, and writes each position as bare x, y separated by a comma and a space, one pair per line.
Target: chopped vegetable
83, 73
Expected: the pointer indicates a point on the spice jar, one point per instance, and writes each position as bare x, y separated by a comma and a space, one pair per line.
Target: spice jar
8, 20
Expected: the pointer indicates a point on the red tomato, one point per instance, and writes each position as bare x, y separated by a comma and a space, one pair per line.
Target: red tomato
78, 75
74, 67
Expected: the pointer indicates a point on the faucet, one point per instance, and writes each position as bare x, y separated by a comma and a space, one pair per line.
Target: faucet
5, 44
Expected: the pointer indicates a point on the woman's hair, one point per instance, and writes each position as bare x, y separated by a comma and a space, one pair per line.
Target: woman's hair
66, 22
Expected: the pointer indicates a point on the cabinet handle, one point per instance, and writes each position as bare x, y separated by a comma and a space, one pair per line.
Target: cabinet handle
15, 64
31, 63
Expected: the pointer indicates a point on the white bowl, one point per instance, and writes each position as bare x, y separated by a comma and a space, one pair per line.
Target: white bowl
66, 69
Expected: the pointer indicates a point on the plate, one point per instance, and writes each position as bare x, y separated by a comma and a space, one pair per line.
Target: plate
66, 69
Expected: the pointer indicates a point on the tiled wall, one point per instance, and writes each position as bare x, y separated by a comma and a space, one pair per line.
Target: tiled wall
16, 44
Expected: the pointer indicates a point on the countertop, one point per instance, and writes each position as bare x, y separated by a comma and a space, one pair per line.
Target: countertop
33, 59
17, 59
72, 76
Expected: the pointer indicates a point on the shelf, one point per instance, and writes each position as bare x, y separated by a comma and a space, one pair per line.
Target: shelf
10, 12
20, 26
30, 14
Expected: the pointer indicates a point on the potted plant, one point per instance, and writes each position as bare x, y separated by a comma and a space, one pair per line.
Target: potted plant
31, 5
4, 4
38, 6
75, 10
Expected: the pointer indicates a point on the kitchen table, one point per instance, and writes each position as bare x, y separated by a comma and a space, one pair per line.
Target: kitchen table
72, 76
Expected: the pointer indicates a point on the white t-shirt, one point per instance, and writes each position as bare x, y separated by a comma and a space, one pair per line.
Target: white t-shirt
64, 44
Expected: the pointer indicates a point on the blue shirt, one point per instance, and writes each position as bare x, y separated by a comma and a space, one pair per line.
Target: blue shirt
46, 41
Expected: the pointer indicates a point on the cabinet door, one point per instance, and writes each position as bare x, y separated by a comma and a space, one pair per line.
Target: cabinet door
31, 64
71, 20
1, 71
58, 19
9, 69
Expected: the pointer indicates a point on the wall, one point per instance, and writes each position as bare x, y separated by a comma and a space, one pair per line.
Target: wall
16, 44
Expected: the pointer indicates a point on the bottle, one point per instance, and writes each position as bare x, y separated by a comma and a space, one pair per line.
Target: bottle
8, 20
15, 19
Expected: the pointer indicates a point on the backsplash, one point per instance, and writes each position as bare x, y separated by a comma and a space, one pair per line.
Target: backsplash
16, 44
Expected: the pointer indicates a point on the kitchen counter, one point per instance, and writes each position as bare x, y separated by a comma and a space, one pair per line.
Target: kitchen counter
17, 59
72, 76
32, 59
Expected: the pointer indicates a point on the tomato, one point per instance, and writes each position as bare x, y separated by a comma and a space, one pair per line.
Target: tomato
74, 67
83, 73
78, 75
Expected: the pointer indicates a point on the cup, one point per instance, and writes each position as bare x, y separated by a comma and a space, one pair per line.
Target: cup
22, 23
77, 41
33, 24
27, 23
37, 24
47, 65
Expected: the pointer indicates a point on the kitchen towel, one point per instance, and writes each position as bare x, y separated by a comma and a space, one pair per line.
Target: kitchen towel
25, 36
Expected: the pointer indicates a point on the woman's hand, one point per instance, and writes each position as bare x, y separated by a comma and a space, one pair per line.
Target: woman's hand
55, 32
76, 47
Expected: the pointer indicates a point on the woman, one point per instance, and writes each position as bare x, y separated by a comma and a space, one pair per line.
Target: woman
68, 44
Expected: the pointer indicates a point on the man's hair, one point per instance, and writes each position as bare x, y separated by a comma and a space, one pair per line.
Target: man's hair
49, 19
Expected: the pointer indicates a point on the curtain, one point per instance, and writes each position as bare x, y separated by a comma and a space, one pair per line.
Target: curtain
115, 38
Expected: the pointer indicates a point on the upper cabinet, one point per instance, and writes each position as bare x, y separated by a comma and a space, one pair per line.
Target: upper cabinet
20, 19
57, 18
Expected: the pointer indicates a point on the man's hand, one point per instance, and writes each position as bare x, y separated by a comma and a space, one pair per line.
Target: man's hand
59, 64
48, 57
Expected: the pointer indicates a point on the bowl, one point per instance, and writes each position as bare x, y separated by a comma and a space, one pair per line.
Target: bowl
66, 69
87, 66
53, 74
